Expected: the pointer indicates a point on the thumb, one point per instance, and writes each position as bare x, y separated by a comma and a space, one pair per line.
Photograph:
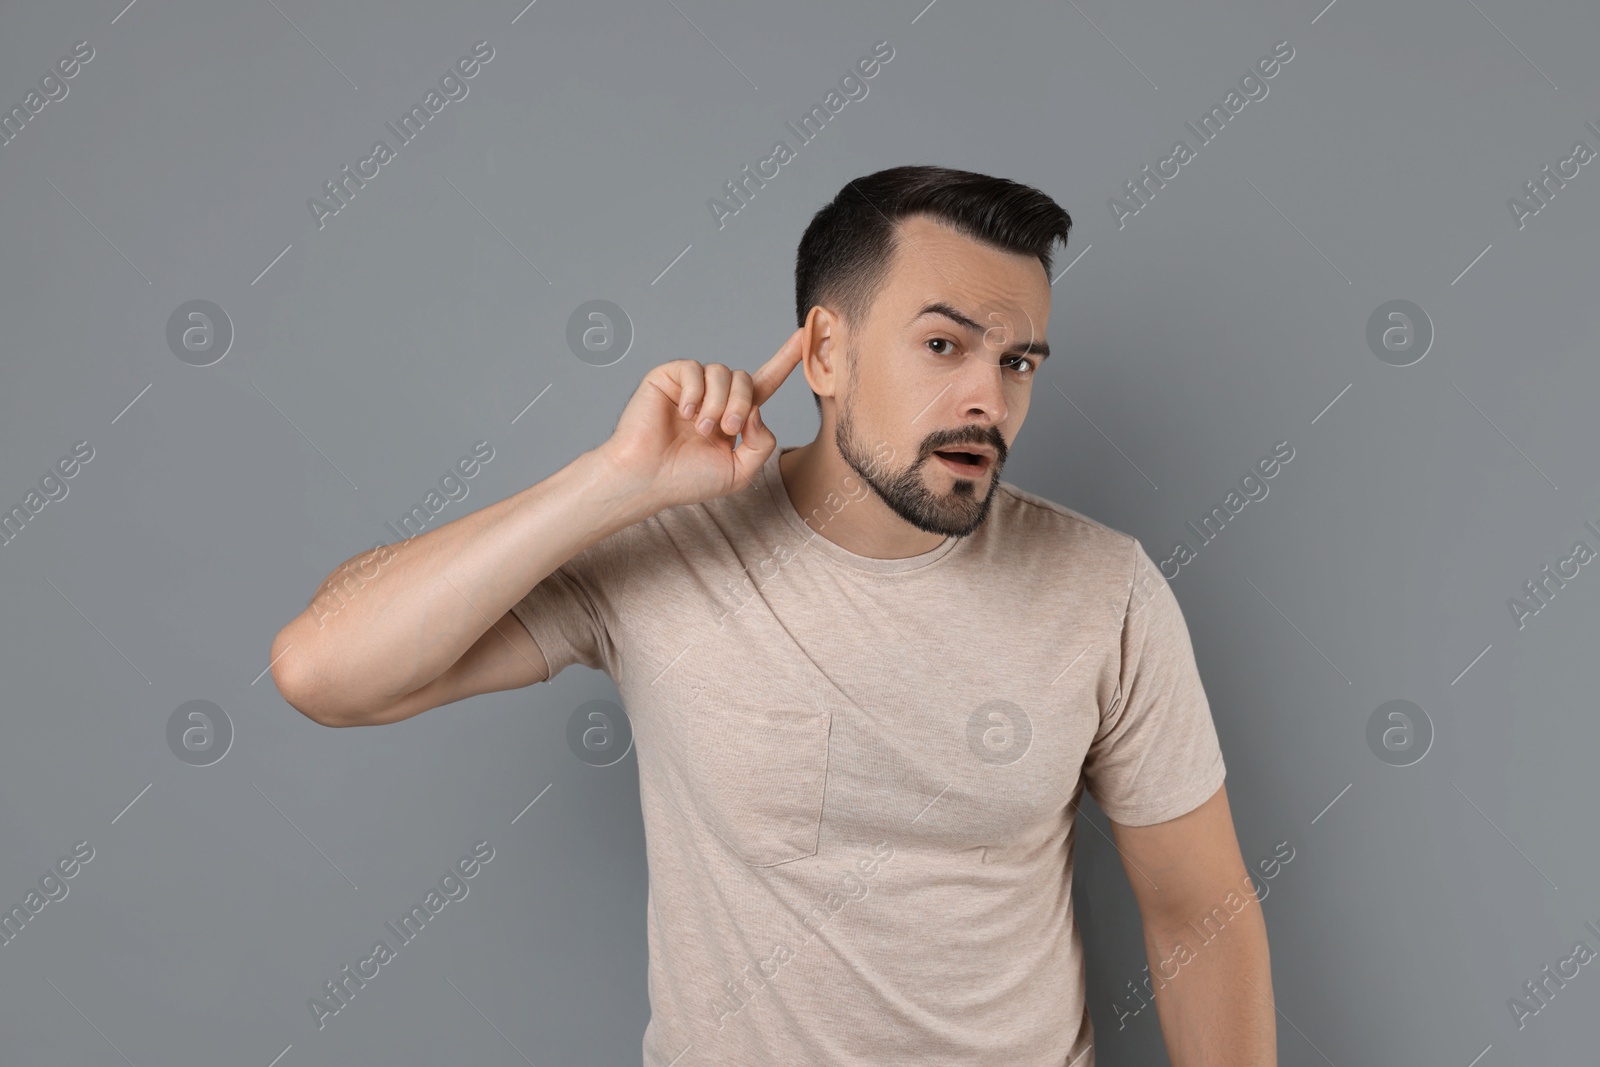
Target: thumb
756, 445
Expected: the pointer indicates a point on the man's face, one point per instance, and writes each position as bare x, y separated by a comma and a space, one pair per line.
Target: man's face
923, 382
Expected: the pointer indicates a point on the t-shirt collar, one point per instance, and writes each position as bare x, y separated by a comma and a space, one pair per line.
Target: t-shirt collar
820, 543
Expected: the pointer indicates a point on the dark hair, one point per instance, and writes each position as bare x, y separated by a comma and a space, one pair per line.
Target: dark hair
844, 255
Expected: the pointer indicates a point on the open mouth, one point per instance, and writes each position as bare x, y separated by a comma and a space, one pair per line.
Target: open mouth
969, 464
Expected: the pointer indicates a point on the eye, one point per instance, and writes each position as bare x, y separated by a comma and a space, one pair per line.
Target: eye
1032, 366
940, 341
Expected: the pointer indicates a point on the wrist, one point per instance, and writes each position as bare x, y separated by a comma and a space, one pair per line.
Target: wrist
620, 494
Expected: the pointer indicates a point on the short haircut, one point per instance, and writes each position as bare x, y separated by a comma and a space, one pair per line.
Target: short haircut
844, 256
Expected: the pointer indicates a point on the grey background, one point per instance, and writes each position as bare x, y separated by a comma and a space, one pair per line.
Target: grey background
1228, 315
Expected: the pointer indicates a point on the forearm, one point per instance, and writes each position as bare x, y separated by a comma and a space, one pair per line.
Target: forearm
388, 622
1214, 998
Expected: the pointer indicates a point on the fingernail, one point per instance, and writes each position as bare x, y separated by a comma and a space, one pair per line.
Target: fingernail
688, 409
705, 425
733, 423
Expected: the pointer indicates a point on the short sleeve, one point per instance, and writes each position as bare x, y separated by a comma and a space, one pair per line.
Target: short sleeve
1155, 756
572, 614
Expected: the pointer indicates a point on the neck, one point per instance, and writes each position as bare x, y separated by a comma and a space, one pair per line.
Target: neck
838, 504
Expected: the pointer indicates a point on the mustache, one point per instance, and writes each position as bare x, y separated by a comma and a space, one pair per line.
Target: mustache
995, 443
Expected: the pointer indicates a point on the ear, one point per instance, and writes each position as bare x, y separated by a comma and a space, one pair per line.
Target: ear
824, 345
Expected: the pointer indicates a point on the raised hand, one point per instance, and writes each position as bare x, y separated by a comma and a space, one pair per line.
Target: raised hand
661, 446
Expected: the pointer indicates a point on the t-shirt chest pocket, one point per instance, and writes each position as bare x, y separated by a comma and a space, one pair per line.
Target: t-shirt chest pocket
758, 772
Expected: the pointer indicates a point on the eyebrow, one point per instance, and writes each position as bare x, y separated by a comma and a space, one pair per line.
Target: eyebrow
939, 307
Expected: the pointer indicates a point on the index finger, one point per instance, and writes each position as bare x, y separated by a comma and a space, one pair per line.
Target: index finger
770, 375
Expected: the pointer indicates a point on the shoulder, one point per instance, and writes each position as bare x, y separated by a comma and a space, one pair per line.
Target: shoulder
1028, 517
1057, 562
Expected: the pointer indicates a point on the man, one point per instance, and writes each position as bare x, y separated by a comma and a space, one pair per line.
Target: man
868, 680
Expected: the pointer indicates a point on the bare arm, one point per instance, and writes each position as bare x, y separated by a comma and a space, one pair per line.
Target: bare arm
1205, 938
427, 621
408, 627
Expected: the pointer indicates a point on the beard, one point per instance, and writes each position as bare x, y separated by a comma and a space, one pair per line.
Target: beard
906, 490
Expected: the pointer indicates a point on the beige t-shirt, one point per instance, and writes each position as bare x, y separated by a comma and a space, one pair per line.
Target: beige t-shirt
859, 776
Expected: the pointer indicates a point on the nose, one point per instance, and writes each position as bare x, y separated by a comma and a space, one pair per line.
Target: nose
981, 389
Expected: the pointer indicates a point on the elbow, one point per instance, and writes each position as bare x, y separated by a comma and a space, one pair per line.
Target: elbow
319, 713
294, 675
315, 712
